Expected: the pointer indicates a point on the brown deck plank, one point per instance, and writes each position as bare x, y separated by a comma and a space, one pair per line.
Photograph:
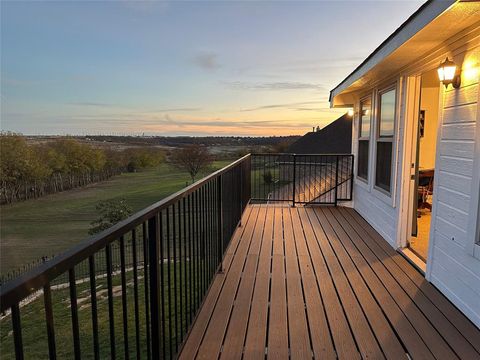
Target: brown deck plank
407, 333
341, 333
213, 338
278, 328
424, 328
321, 282
322, 342
381, 328
364, 336
237, 327
464, 325
445, 328
297, 320
255, 342
199, 327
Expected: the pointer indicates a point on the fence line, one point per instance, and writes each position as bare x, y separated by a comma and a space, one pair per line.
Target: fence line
21, 191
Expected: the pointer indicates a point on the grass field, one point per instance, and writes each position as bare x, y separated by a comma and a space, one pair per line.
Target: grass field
52, 224
34, 332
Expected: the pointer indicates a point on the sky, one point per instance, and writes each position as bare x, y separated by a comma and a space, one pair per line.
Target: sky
243, 68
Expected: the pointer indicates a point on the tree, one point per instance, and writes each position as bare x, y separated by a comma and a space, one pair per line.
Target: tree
192, 159
281, 146
110, 212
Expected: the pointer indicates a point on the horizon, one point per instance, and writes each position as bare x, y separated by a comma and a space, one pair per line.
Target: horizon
164, 69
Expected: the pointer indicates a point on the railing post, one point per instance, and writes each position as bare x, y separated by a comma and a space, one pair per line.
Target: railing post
240, 202
351, 177
294, 178
336, 180
155, 290
220, 223
248, 181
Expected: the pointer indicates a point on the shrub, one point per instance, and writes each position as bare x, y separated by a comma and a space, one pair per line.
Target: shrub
110, 212
267, 177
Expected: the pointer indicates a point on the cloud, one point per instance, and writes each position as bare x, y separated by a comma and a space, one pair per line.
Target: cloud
280, 85
180, 109
92, 104
286, 106
317, 109
108, 105
207, 61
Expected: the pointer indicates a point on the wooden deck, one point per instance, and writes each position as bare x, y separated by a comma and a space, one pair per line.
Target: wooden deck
319, 282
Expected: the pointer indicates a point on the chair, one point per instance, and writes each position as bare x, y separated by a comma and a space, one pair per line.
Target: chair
425, 188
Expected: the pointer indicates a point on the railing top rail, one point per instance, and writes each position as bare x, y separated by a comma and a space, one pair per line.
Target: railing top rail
297, 154
17, 289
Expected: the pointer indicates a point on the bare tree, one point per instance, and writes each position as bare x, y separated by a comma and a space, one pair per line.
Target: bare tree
192, 158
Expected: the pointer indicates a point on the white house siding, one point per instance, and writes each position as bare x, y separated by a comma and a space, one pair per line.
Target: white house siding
451, 267
378, 209
379, 214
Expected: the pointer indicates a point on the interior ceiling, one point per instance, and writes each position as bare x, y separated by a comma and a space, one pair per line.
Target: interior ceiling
455, 19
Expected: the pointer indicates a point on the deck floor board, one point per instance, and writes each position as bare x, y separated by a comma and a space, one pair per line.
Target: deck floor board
310, 282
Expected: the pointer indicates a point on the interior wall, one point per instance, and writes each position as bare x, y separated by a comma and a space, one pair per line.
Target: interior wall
429, 103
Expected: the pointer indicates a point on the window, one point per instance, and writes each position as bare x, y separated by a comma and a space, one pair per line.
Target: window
385, 127
364, 138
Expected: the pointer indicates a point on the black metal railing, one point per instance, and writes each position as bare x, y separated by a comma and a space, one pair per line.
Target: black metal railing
144, 307
302, 179
82, 269
134, 290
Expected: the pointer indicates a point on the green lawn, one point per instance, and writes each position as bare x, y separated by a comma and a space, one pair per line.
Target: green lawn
54, 223
34, 332
261, 189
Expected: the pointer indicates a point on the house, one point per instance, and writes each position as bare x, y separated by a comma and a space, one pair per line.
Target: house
416, 142
335, 138
315, 171
215, 274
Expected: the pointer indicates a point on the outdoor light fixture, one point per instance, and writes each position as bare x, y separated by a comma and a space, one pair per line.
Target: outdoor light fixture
447, 73
350, 113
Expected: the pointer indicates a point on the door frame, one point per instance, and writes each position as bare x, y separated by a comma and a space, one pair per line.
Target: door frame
412, 110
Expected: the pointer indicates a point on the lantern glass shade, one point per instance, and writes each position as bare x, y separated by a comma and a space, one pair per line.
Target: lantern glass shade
447, 71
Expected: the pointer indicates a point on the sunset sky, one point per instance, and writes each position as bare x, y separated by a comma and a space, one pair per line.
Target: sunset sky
182, 68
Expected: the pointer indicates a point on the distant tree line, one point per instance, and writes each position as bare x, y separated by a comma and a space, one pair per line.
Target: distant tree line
33, 170
181, 141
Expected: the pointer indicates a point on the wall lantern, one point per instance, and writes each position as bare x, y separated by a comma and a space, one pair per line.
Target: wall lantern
447, 73
350, 113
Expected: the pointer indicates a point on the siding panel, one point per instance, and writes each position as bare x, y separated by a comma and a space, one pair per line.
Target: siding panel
457, 148
454, 216
451, 268
455, 199
376, 212
453, 181
464, 131
447, 229
456, 165
459, 114
457, 252
462, 96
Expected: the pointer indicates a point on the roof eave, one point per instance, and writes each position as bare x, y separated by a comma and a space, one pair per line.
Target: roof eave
419, 19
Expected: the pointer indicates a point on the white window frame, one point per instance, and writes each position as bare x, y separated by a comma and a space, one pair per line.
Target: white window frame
387, 196
370, 97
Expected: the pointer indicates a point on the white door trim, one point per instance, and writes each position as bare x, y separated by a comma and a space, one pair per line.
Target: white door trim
412, 108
